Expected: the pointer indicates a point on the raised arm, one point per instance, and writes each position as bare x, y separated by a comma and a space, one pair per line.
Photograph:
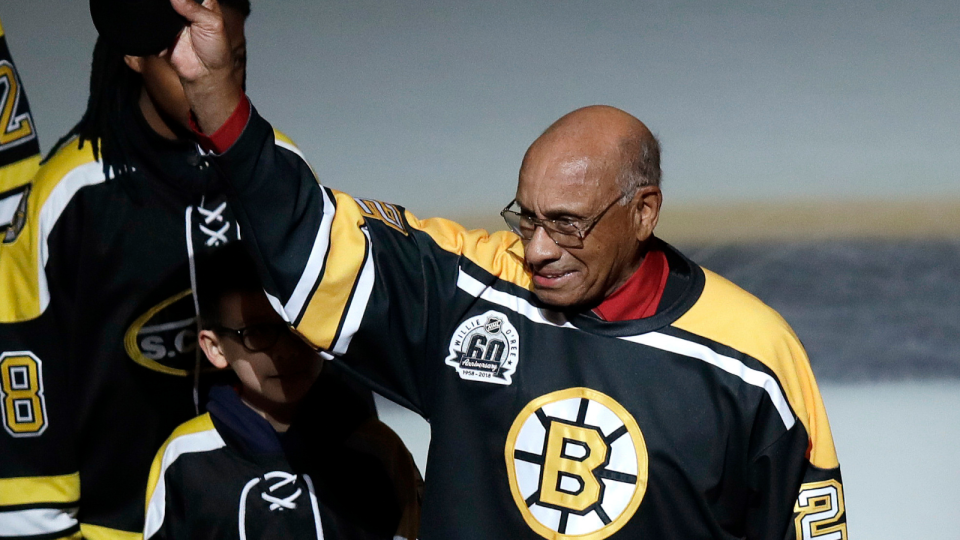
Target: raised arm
203, 59
360, 278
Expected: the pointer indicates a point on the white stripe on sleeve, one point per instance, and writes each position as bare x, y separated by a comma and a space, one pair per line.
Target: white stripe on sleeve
203, 441
318, 255
85, 175
358, 304
475, 288
37, 521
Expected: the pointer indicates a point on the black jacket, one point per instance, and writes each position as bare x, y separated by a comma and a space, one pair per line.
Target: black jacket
288, 485
702, 421
97, 313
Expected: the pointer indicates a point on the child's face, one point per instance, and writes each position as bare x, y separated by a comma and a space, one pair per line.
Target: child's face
281, 373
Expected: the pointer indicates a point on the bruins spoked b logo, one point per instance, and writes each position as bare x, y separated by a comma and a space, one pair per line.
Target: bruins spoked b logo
577, 464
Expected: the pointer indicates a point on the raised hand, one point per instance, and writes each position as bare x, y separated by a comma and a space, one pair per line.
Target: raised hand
202, 58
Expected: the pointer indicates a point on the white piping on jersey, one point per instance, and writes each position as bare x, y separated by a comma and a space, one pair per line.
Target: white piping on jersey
278, 503
299, 154
192, 265
37, 521
657, 340
203, 441
733, 366
277, 305
87, 174
358, 304
315, 262
315, 506
188, 227
291, 148
477, 289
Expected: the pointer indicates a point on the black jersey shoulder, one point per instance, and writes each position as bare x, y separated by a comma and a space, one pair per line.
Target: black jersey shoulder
55, 185
728, 319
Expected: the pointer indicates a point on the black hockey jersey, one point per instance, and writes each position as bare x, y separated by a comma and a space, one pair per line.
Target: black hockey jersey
703, 421
19, 147
97, 332
227, 474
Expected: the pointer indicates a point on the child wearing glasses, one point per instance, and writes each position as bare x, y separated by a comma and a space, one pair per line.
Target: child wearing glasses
286, 448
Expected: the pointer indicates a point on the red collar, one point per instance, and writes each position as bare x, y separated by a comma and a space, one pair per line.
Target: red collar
639, 297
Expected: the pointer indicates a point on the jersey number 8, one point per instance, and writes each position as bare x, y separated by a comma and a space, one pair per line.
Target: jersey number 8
21, 388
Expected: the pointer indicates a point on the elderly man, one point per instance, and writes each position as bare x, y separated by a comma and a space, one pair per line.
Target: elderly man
582, 378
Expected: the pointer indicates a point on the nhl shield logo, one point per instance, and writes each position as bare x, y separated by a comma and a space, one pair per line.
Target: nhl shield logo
485, 348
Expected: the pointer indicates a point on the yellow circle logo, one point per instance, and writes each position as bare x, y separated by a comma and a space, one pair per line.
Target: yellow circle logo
577, 464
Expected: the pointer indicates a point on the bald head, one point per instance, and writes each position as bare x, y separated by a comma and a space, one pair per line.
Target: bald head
571, 179
605, 136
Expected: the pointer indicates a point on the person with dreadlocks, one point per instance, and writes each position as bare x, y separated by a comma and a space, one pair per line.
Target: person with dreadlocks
97, 331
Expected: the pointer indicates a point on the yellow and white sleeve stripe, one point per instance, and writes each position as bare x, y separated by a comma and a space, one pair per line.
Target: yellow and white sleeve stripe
40, 505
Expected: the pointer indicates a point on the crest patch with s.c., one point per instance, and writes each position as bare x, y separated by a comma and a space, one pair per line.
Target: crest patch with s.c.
165, 337
485, 348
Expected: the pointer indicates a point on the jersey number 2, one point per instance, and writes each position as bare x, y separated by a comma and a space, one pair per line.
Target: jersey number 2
819, 510
13, 129
21, 388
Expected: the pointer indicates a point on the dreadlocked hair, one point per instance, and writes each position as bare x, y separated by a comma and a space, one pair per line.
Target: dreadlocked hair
112, 83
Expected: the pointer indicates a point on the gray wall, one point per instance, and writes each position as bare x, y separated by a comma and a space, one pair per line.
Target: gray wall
431, 104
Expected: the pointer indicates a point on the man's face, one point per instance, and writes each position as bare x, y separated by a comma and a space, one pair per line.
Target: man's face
162, 85
555, 185
280, 374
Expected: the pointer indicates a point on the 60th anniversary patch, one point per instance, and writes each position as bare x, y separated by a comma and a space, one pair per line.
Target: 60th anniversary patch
485, 348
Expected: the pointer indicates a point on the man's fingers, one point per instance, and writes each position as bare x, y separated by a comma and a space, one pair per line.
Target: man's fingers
191, 10
212, 5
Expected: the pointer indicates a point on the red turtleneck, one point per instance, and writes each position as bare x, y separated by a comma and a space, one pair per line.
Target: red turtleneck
639, 297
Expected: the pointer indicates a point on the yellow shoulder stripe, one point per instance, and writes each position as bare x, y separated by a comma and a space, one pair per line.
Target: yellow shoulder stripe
96, 532
282, 137
19, 173
343, 265
1, 28
40, 489
52, 188
68, 157
286, 142
196, 425
499, 253
733, 317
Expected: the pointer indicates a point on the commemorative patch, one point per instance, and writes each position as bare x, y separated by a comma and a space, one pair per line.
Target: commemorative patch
13, 213
485, 348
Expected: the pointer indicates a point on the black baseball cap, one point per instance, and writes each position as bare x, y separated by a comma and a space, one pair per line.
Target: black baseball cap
137, 27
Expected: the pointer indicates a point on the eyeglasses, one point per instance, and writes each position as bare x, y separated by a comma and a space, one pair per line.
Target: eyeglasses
256, 337
565, 232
